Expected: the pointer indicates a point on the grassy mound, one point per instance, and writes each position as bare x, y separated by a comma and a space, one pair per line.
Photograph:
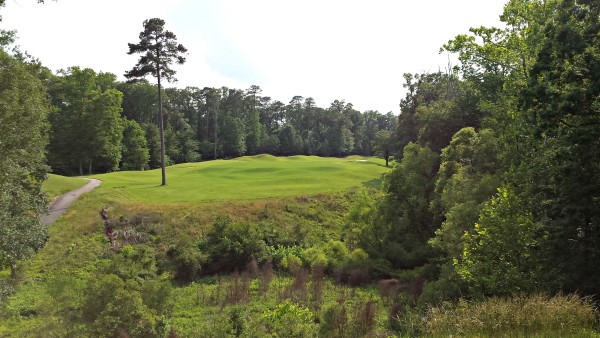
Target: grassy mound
57, 185
249, 177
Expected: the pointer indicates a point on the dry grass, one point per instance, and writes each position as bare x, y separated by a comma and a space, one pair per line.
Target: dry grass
526, 316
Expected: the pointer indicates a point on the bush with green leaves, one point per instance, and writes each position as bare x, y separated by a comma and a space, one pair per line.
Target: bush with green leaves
285, 320
278, 253
501, 256
183, 260
231, 246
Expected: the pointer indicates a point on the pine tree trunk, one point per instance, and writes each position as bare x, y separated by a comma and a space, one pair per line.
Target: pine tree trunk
162, 129
216, 129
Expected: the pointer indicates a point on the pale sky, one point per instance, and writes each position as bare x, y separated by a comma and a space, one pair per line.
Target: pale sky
328, 49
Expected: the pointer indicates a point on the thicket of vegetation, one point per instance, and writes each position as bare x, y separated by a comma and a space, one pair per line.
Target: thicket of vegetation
488, 216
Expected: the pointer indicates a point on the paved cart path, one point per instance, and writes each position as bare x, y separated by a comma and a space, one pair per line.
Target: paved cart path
60, 205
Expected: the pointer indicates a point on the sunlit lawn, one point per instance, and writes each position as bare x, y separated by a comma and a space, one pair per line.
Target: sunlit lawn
57, 185
249, 177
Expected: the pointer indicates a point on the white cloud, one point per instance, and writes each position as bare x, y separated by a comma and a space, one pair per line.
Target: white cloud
352, 50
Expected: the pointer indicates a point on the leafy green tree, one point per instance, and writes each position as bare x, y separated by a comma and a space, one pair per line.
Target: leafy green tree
140, 101
467, 179
153, 140
409, 191
23, 108
233, 136
562, 170
501, 256
114, 307
135, 153
288, 140
396, 234
86, 127
160, 49
253, 132
383, 144
107, 129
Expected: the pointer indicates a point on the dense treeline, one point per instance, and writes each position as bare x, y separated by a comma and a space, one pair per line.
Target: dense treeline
102, 125
497, 186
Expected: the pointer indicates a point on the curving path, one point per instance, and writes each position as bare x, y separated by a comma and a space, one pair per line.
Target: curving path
60, 205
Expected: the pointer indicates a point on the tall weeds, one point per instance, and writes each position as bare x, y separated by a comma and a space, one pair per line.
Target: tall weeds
527, 316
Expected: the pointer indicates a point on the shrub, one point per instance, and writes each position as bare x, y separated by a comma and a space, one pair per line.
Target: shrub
291, 262
314, 257
124, 313
334, 320
231, 246
278, 252
336, 253
184, 260
6, 290
286, 320
130, 263
112, 306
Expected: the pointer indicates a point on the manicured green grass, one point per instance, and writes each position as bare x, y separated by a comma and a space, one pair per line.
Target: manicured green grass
250, 177
57, 185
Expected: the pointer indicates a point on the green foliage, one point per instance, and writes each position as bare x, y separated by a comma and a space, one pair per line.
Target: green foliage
466, 180
86, 128
502, 255
383, 144
287, 320
135, 152
436, 106
334, 321
561, 106
154, 38
407, 220
22, 168
278, 253
233, 137
131, 262
122, 311
291, 262
231, 246
105, 149
289, 141
184, 260
315, 258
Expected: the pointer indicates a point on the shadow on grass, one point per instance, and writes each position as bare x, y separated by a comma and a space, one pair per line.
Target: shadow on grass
375, 183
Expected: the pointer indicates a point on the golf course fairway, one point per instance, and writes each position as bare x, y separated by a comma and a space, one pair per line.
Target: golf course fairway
249, 177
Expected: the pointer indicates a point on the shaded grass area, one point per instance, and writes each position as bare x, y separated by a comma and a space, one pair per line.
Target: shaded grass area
57, 185
249, 177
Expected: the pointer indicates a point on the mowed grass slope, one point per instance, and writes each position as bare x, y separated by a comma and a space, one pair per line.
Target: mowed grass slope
249, 177
57, 185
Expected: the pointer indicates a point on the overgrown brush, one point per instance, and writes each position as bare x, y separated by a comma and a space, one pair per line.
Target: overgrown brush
519, 316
